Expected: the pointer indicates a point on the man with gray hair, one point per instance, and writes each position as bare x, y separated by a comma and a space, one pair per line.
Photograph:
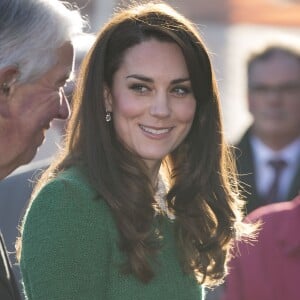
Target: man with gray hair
36, 60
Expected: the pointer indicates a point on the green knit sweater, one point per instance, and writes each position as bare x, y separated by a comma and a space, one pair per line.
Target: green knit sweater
70, 250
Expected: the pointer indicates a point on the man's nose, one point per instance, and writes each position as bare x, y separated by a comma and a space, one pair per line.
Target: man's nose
64, 107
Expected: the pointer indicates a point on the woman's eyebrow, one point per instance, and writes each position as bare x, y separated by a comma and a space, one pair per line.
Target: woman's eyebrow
180, 80
140, 77
147, 79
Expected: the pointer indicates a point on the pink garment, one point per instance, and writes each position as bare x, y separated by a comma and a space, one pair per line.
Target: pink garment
269, 269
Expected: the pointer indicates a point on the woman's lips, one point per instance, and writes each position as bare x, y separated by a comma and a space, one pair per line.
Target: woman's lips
156, 131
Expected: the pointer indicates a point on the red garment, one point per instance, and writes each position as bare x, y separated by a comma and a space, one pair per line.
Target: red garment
269, 269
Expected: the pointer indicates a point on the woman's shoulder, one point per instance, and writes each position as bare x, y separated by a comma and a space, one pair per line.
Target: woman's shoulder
70, 183
66, 185
68, 194
73, 179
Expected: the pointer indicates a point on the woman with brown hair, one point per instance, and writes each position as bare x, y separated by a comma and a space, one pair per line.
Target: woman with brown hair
143, 202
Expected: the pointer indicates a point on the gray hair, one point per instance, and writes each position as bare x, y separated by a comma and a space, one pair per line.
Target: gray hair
32, 30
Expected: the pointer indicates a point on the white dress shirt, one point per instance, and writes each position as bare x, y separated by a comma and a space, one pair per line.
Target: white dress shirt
264, 173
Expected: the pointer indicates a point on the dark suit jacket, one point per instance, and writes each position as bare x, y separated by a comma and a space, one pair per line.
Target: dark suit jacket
15, 192
246, 171
8, 287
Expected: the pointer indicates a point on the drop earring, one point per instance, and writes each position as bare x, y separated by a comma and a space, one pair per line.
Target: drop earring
108, 116
5, 88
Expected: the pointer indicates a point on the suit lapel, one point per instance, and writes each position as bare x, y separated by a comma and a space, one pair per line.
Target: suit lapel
246, 170
295, 186
8, 287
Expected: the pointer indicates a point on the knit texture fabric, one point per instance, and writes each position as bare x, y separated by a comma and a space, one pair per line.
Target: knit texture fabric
70, 250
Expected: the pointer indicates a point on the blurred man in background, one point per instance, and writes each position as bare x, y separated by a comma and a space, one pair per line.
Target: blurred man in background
268, 155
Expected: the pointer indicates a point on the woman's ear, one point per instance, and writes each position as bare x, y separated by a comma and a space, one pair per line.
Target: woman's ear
8, 76
108, 99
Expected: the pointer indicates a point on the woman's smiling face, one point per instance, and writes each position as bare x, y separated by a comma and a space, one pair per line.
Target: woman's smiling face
151, 100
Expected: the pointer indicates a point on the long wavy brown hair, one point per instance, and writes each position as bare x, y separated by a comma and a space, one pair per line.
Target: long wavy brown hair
203, 192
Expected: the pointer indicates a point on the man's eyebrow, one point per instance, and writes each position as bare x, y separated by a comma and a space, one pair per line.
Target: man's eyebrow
147, 79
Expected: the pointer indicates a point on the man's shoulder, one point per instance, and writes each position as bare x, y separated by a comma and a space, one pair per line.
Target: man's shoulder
19, 185
244, 141
28, 173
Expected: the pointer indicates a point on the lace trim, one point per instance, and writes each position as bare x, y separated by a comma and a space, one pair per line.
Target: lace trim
160, 199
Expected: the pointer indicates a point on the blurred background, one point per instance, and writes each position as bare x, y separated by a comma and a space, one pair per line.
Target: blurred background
231, 29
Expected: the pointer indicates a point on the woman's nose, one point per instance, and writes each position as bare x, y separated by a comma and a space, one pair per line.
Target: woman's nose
160, 106
64, 107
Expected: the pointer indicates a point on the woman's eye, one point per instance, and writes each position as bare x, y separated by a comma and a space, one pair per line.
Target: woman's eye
181, 91
139, 88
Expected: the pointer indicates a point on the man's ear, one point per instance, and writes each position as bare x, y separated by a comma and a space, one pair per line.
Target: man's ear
8, 76
108, 99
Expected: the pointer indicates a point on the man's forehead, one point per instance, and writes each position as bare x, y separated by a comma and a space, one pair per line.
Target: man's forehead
284, 70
